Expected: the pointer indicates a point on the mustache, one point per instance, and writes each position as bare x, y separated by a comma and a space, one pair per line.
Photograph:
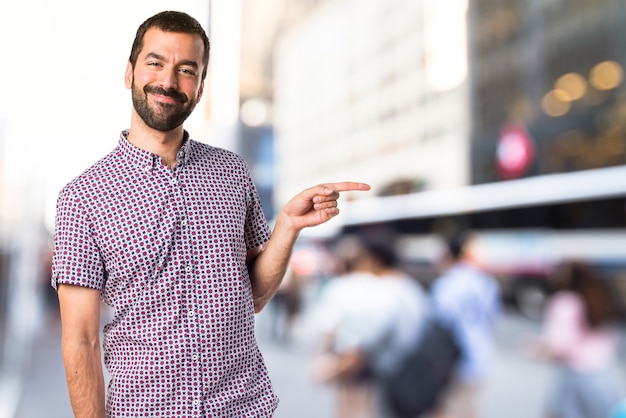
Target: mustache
174, 94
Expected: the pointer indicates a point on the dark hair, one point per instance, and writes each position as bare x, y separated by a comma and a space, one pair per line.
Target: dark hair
593, 289
169, 21
383, 252
455, 245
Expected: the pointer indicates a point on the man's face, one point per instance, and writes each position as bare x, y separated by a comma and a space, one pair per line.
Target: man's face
166, 82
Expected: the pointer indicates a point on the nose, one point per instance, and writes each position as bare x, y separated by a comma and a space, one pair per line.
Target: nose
168, 79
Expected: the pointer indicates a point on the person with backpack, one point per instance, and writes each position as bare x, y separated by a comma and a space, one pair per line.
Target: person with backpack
466, 299
369, 318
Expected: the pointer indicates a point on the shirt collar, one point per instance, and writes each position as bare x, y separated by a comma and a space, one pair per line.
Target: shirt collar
184, 152
148, 160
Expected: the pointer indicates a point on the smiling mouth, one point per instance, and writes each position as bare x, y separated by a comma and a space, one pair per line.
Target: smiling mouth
168, 100
165, 96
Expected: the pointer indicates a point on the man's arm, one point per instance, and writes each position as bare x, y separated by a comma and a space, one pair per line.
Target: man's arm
80, 316
311, 207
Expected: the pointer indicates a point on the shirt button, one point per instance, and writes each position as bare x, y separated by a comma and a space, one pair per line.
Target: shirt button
173, 182
190, 313
183, 222
195, 357
188, 268
147, 169
196, 402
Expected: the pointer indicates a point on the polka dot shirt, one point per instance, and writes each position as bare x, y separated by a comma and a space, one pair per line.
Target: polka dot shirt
167, 250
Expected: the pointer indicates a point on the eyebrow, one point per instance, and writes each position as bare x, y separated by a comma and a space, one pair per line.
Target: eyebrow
191, 63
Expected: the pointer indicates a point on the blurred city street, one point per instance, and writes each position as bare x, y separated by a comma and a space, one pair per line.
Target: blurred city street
517, 389
497, 119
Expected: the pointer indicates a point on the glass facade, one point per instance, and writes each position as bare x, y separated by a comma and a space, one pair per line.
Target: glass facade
555, 69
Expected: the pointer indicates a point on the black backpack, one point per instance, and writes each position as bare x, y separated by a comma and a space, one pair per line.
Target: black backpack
423, 373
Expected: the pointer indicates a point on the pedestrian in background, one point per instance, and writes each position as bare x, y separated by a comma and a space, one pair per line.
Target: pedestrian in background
170, 232
581, 337
369, 317
286, 306
466, 299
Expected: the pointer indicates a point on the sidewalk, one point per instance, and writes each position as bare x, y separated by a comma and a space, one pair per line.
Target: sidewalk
517, 389
44, 392
289, 368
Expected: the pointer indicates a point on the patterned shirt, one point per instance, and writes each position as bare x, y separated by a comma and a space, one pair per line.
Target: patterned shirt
167, 250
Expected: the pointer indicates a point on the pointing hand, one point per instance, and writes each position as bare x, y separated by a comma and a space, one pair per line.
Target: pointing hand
318, 204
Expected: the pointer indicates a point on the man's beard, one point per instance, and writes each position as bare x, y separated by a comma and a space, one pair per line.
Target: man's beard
162, 117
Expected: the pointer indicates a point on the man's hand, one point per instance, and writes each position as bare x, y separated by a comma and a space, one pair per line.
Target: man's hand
318, 204
310, 207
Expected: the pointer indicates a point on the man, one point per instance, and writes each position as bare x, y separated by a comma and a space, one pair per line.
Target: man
171, 234
467, 299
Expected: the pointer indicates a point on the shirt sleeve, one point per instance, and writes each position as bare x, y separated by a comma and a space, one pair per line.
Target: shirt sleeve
76, 259
257, 231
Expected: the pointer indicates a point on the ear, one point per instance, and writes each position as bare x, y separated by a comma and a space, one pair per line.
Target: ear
200, 90
128, 75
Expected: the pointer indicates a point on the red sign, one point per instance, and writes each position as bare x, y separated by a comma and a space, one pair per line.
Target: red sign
515, 151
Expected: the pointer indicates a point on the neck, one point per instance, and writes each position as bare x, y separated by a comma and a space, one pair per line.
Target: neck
163, 144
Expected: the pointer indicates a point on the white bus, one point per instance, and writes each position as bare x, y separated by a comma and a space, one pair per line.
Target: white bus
526, 227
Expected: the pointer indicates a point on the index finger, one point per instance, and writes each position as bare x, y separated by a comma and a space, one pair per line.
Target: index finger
346, 186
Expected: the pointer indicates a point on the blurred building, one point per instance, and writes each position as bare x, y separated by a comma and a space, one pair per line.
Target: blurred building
555, 70
3, 249
548, 96
372, 91
378, 92
261, 24
514, 127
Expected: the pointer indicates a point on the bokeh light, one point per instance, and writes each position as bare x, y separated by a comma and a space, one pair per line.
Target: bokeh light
606, 75
556, 103
571, 86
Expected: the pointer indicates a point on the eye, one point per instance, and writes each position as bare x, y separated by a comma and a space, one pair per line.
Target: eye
188, 71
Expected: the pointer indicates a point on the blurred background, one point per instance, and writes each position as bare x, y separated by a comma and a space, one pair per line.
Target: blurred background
504, 117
